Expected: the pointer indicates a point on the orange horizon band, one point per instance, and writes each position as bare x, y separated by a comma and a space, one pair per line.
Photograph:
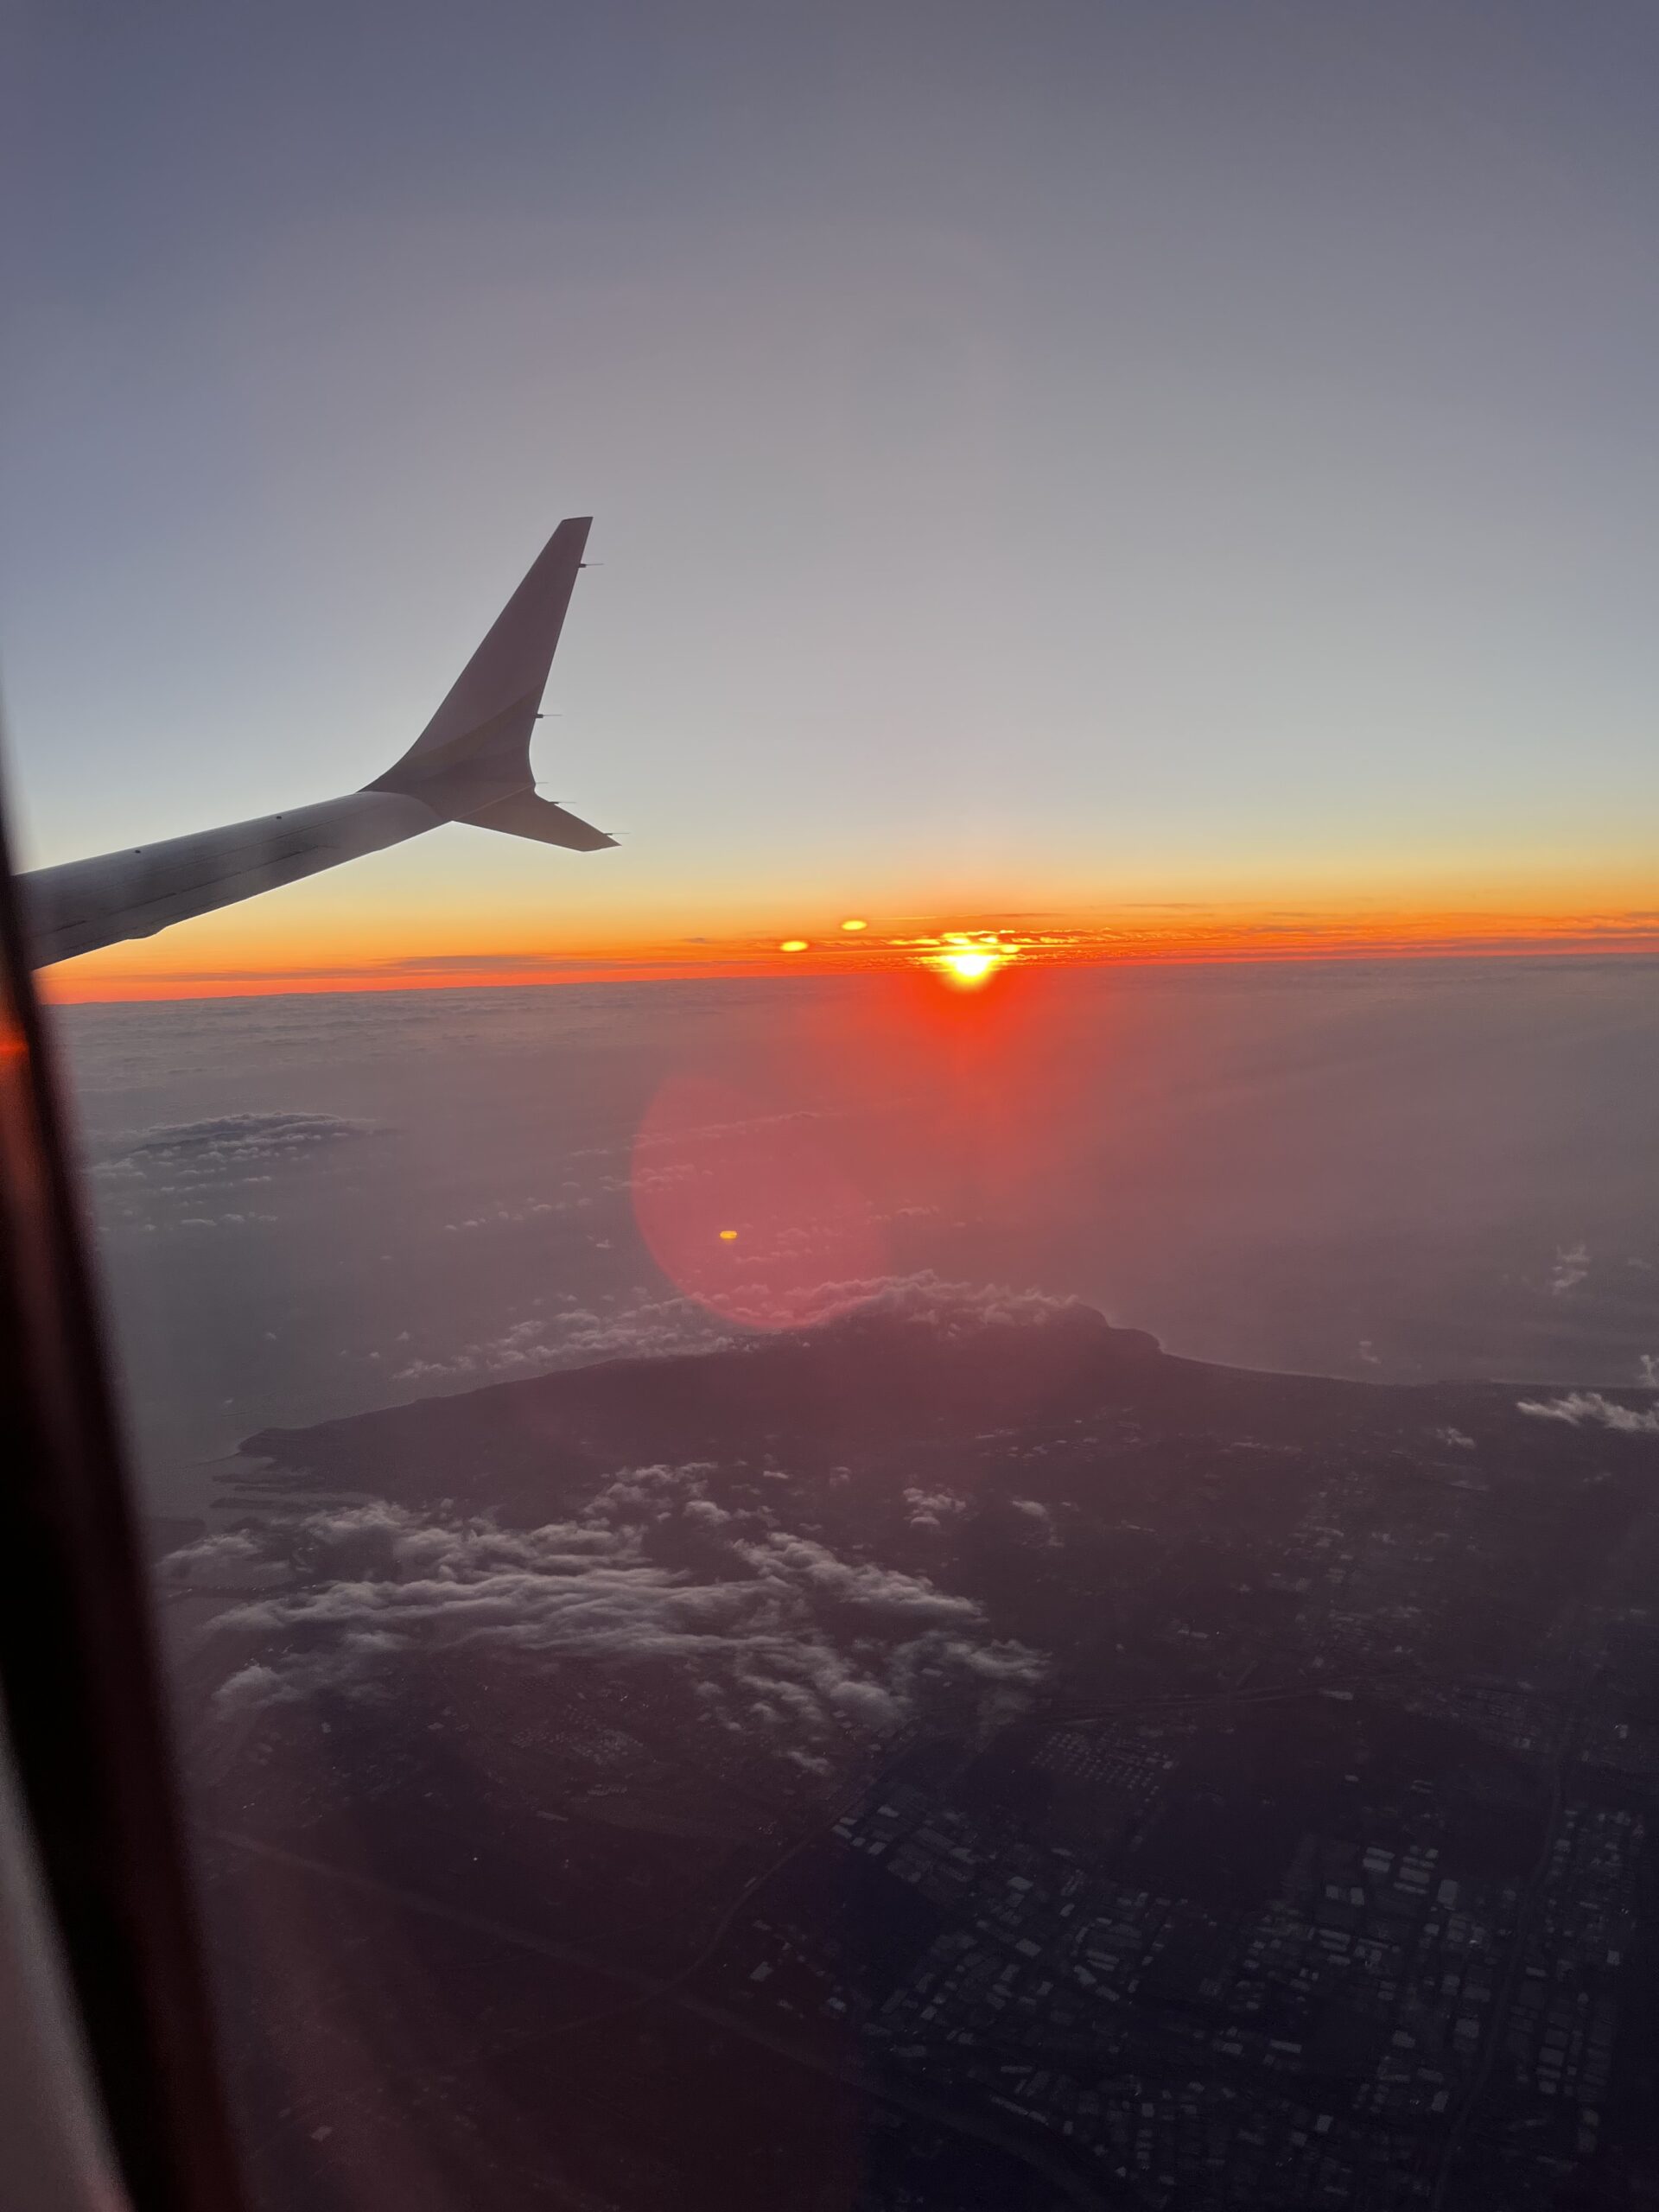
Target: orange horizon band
298, 970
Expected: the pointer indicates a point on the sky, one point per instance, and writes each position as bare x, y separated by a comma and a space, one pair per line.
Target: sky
1156, 478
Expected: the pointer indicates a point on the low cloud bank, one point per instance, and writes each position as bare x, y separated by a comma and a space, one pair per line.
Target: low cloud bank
569, 1334
780, 1631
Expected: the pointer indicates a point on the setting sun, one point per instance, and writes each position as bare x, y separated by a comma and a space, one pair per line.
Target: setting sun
967, 970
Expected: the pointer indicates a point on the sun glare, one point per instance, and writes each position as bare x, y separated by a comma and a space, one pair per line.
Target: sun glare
968, 968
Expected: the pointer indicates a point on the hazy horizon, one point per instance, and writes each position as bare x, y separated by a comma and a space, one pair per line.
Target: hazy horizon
1399, 1171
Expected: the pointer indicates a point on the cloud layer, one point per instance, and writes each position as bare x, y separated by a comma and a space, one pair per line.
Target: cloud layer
779, 1632
648, 1325
230, 1147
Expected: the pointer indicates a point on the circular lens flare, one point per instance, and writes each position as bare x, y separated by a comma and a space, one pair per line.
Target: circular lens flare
797, 1238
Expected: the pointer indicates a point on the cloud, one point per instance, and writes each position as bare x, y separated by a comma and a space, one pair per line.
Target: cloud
223, 1220
859, 1584
224, 1559
646, 1327
959, 1308
576, 1200
931, 1509
570, 1335
1572, 1265
471, 966
231, 1148
1035, 1510
500, 963
951, 1308
1591, 1406
779, 1631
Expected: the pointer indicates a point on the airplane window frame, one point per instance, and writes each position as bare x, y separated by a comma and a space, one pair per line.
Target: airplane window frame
80, 1674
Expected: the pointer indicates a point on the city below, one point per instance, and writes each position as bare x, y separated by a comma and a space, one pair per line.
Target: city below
955, 1756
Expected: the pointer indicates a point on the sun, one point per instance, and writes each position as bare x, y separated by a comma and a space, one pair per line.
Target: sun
968, 968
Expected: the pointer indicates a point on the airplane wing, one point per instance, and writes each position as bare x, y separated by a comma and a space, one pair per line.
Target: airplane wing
471, 763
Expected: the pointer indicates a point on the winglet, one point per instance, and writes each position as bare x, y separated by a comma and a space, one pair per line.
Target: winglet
475, 750
526, 814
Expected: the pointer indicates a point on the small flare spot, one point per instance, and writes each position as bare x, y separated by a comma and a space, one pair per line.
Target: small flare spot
855, 925
793, 945
728, 1236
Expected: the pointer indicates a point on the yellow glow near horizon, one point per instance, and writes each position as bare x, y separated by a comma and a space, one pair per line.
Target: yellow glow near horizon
349, 936
967, 970
855, 925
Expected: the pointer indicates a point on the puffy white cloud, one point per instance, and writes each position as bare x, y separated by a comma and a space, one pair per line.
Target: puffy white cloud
1035, 1510
931, 1509
1589, 1406
939, 1502
786, 1637
221, 1561
257, 1684
855, 1582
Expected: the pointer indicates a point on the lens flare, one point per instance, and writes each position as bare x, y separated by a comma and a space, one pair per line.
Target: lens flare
798, 1239
854, 923
793, 945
